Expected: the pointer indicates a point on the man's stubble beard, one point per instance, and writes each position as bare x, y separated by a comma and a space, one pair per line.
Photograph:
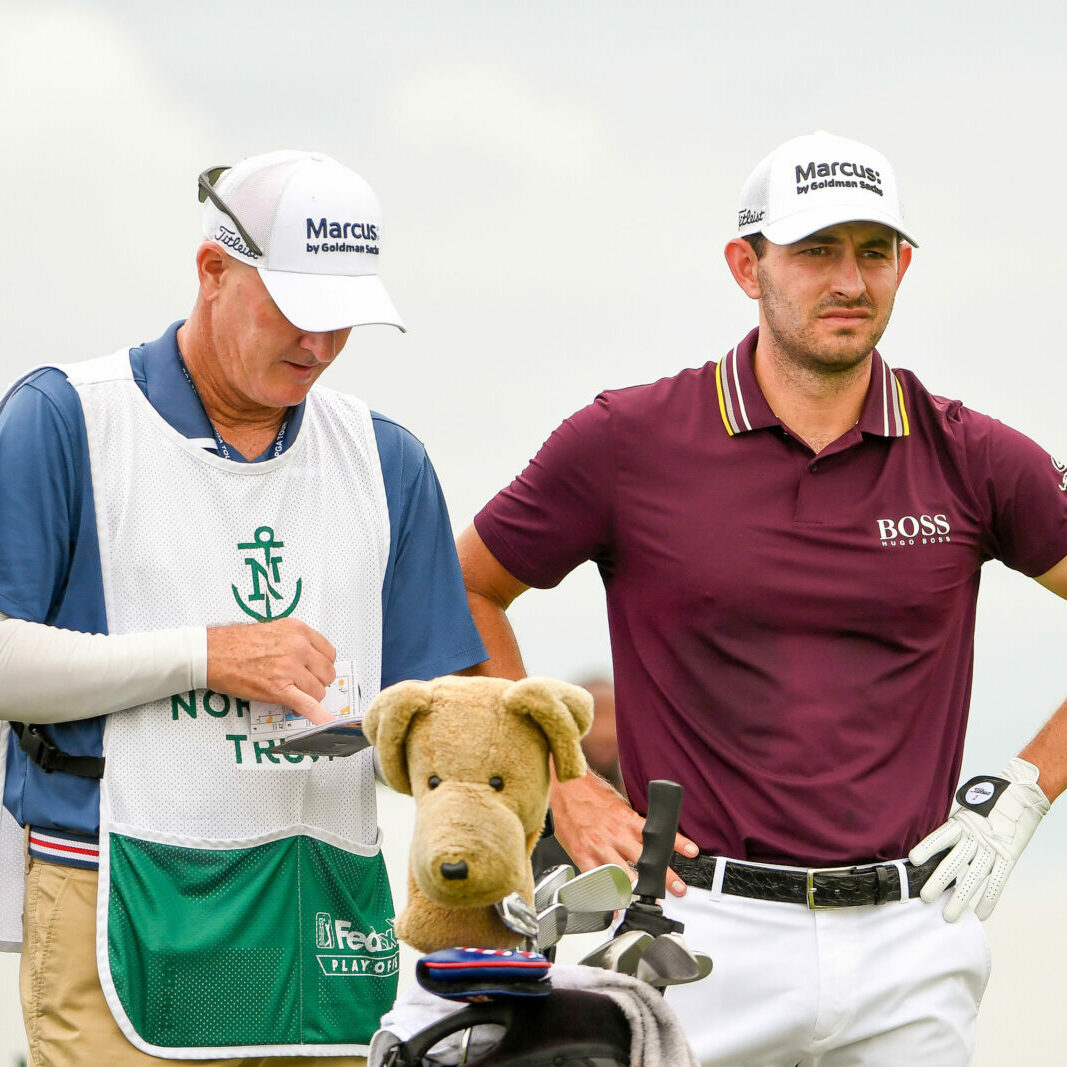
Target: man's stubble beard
800, 348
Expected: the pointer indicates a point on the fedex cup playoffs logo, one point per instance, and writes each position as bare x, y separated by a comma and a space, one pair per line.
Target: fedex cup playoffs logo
346, 951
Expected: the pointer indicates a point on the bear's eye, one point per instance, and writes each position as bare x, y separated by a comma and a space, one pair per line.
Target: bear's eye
497, 782
433, 781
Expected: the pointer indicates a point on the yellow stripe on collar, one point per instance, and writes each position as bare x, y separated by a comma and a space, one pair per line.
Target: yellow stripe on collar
903, 408
722, 402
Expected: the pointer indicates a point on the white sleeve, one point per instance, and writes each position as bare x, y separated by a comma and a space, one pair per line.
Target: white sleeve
54, 675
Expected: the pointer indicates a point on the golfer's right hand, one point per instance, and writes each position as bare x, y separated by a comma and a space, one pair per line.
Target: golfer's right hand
282, 662
595, 825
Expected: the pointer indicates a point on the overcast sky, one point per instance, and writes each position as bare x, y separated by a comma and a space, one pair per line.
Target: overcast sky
558, 180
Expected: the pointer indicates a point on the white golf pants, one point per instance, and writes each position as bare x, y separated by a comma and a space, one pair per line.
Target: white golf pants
847, 987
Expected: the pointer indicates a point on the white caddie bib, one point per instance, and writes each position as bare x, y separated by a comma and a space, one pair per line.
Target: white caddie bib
244, 907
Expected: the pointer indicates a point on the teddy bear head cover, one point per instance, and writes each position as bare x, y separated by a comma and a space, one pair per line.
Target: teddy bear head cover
474, 753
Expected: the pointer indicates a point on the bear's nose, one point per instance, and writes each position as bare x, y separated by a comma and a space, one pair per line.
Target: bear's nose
454, 871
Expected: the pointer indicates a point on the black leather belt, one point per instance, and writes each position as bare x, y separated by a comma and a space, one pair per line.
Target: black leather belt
818, 887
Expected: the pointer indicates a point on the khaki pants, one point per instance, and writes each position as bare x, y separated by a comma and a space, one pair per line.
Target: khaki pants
68, 1022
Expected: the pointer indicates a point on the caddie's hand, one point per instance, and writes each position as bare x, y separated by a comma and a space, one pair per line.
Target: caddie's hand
987, 833
596, 825
281, 662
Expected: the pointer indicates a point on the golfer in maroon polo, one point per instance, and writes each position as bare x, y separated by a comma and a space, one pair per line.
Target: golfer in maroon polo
791, 541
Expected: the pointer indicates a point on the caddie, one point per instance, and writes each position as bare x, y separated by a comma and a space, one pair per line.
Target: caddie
791, 540
202, 550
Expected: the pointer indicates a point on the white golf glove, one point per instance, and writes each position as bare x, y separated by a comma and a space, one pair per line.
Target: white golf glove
987, 833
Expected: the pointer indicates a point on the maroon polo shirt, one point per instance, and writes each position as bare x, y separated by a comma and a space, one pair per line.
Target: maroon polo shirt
792, 636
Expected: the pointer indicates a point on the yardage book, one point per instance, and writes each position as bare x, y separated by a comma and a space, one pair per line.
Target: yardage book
329, 739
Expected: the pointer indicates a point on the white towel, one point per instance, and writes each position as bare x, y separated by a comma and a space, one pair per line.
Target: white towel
656, 1036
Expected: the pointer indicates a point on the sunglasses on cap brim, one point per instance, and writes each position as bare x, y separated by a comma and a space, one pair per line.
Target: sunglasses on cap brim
206, 191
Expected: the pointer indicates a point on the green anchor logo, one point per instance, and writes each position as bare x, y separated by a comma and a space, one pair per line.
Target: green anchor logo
263, 575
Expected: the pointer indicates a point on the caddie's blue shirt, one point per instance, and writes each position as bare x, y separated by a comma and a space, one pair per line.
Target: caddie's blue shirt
50, 559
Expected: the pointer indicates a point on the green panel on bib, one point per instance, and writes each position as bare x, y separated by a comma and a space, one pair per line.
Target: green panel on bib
286, 943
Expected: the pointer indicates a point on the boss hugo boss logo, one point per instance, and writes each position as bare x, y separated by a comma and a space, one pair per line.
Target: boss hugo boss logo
326, 235
914, 530
814, 175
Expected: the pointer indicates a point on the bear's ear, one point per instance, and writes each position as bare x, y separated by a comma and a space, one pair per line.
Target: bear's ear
386, 725
563, 711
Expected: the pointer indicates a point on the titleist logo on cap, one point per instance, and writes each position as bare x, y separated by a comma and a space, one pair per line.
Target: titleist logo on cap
232, 240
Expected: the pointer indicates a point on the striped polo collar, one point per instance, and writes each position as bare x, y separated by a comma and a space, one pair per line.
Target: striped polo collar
743, 406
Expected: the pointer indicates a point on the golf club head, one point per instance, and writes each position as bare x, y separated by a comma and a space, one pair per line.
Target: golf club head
517, 914
604, 888
624, 953
548, 883
588, 922
551, 925
668, 960
595, 958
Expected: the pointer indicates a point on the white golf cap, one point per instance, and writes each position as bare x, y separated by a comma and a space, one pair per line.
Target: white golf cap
816, 181
311, 227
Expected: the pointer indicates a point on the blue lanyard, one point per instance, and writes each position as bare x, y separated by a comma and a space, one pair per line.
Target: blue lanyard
220, 445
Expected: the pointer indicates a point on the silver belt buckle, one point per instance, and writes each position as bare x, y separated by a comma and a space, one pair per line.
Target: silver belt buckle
812, 872
812, 906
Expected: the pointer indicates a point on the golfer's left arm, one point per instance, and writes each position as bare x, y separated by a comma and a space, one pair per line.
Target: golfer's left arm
1048, 750
998, 814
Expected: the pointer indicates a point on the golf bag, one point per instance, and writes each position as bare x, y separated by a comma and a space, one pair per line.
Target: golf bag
567, 1024
568, 1027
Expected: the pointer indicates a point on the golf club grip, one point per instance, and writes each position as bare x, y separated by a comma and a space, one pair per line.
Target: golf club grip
661, 825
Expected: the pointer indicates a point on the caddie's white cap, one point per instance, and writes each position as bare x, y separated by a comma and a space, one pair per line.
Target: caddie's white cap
311, 227
816, 181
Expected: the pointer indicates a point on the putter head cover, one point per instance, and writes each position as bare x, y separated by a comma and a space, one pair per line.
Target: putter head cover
473, 974
996, 817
